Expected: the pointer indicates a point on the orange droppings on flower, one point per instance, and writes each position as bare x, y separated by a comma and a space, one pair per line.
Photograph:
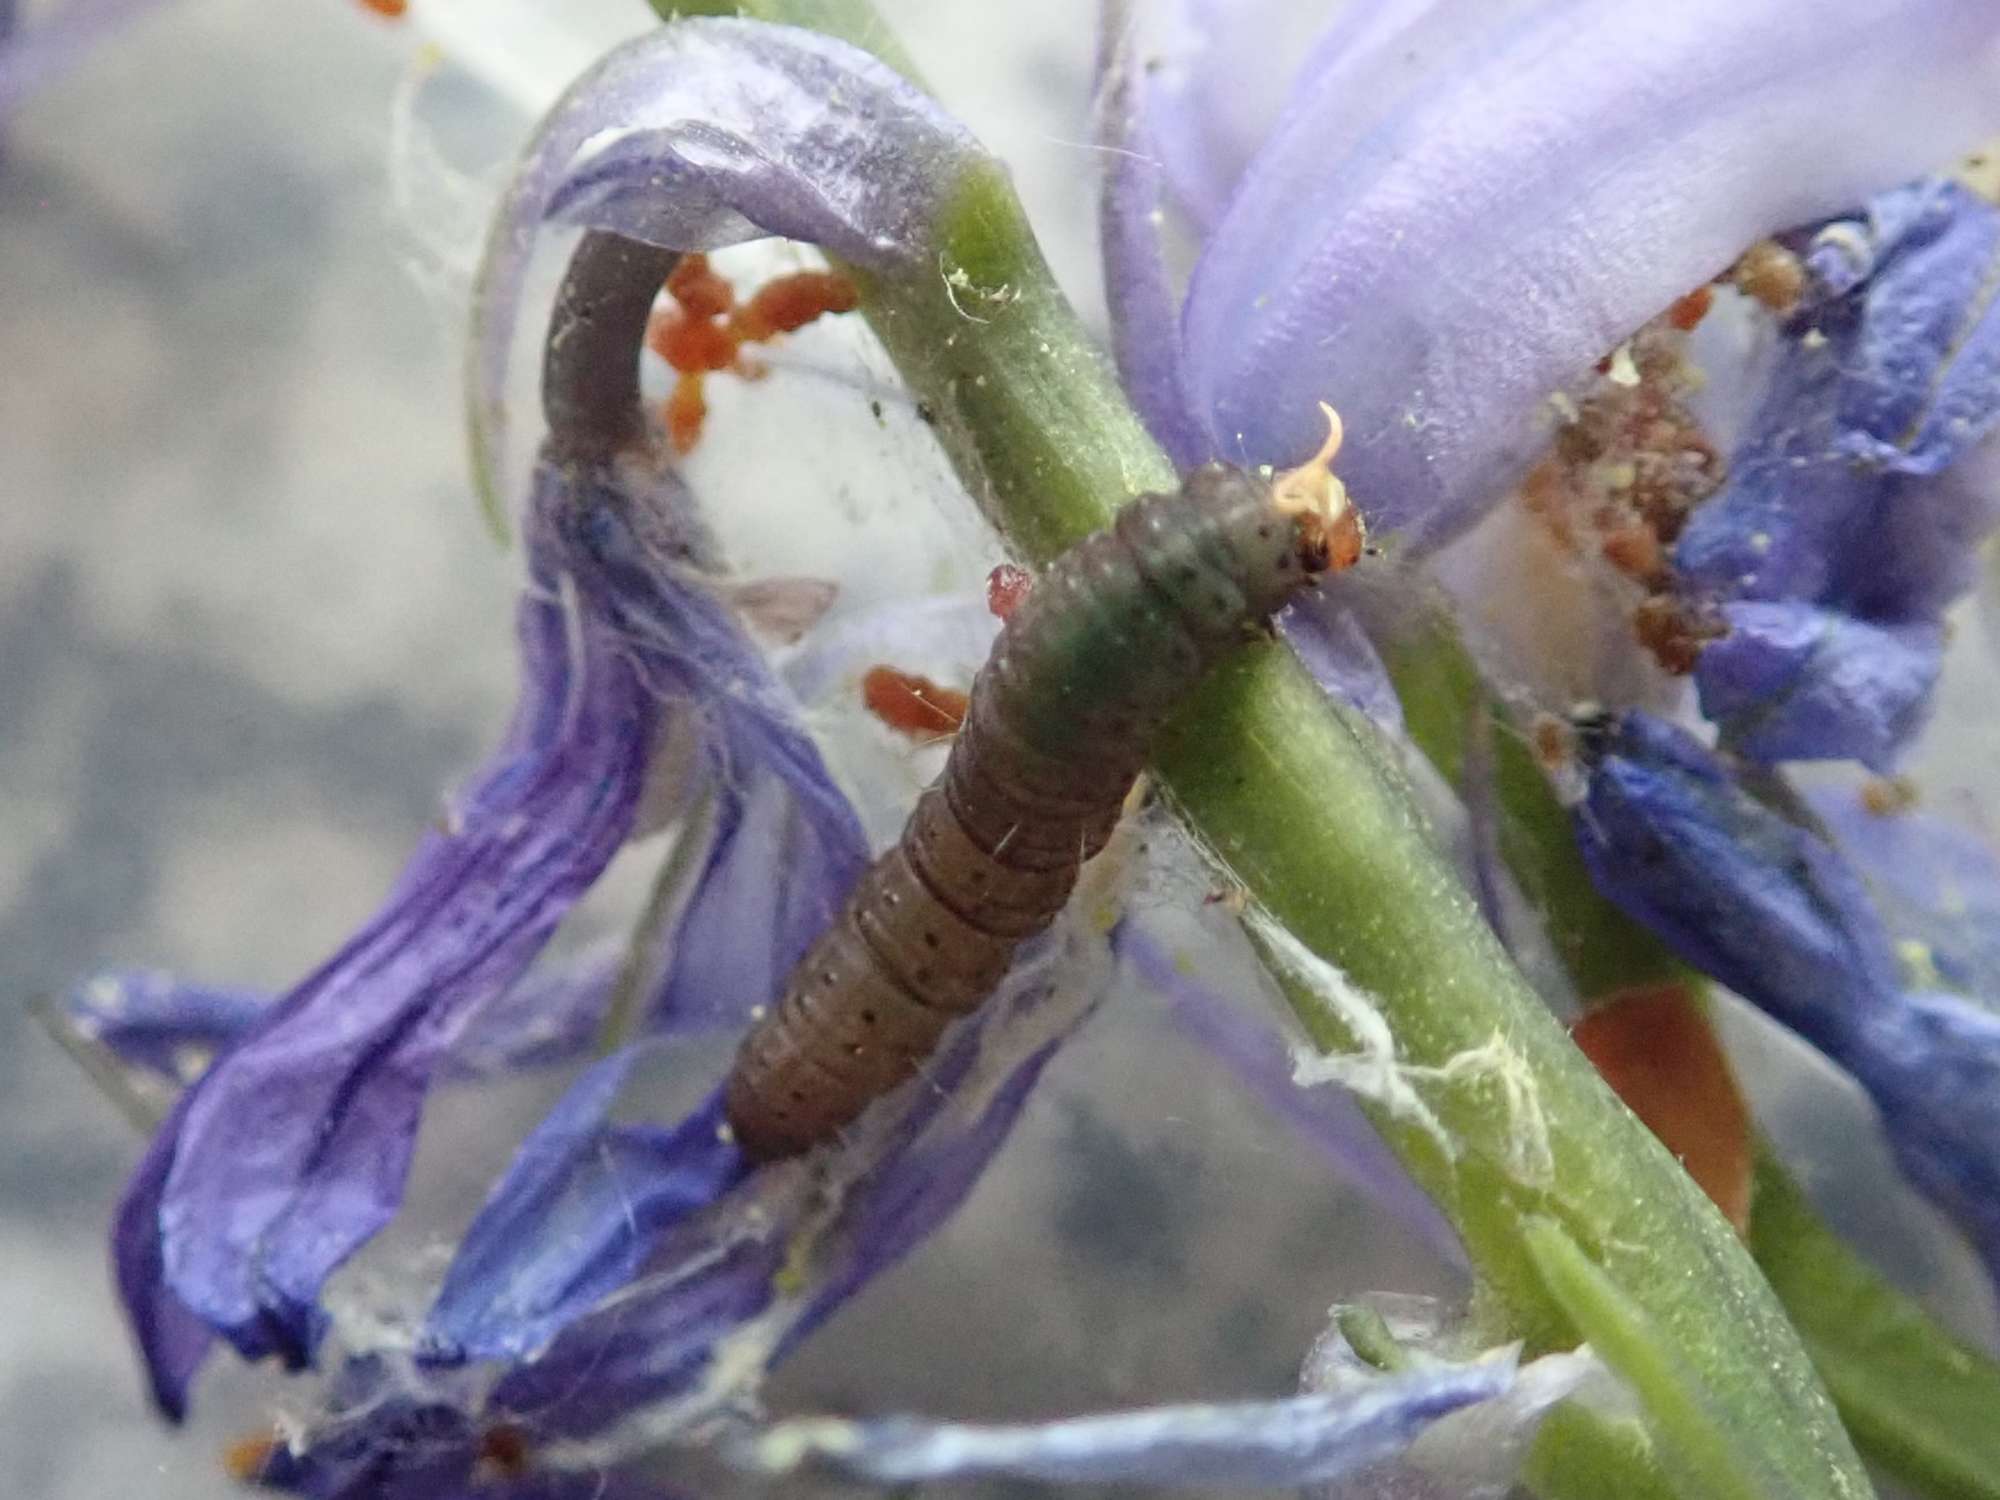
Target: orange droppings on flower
787, 303
690, 345
698, 289
1889, 796
912, 705
503, 1453
704, 330
686, 410
393, 9
1772, 274
248, 1460
1635, 551
1006, 586
1659, 1054
1553, 740
1687, 312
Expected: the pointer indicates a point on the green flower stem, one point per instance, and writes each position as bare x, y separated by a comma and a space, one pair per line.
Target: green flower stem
1916, 1400
1444, 707
1295, 796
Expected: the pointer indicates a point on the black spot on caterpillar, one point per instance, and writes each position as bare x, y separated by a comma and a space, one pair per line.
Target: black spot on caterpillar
1084, 675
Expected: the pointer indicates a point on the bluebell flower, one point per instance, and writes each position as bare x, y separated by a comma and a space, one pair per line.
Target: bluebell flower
1458, 208
1935, 878
626, 1286
1844, 528
1774, 911
214, 1238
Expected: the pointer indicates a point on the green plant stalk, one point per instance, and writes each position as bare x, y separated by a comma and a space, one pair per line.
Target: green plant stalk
1916, 1400
1294, 795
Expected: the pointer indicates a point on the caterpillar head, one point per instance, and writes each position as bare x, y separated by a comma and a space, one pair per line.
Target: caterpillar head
1330, 530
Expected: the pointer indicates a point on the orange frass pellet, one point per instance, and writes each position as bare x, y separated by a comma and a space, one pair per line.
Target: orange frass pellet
686, 409
690, 345
787, 303
912, 705
1687, 312
698, 289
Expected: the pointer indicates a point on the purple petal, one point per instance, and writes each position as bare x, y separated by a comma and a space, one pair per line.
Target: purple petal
1839, 494
1759, 903
1335, 647
1936, 880
1924, 384
154, 1023
710, 1270
294, 1147
1796, 682
1437, 266
1296, 1441
569, 1222
1775, 913
725, 131
1475, 1452
173, 1342
1205, 125
1143, 302
1326, 1119
1796, 507
292, 1150
787, 845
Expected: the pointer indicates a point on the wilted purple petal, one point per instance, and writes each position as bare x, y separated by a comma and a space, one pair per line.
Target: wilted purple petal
292, 1150
1924, 384
155, 1023
1761, 904
552, 1014
172, 1030
1436, 268
633, 1356
1288, 1442
32, 55
1326, 1119
1474, 1453
1936, 880
294, 1146
720, 131
787, 845
1774, 912
1865, 485
1879, 390
172, 1341
567, 1224
1793, 681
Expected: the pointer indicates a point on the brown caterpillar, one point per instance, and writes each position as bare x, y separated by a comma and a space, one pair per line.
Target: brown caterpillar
1086, 671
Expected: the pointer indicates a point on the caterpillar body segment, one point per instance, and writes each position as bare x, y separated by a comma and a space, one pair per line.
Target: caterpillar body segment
1087, 670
